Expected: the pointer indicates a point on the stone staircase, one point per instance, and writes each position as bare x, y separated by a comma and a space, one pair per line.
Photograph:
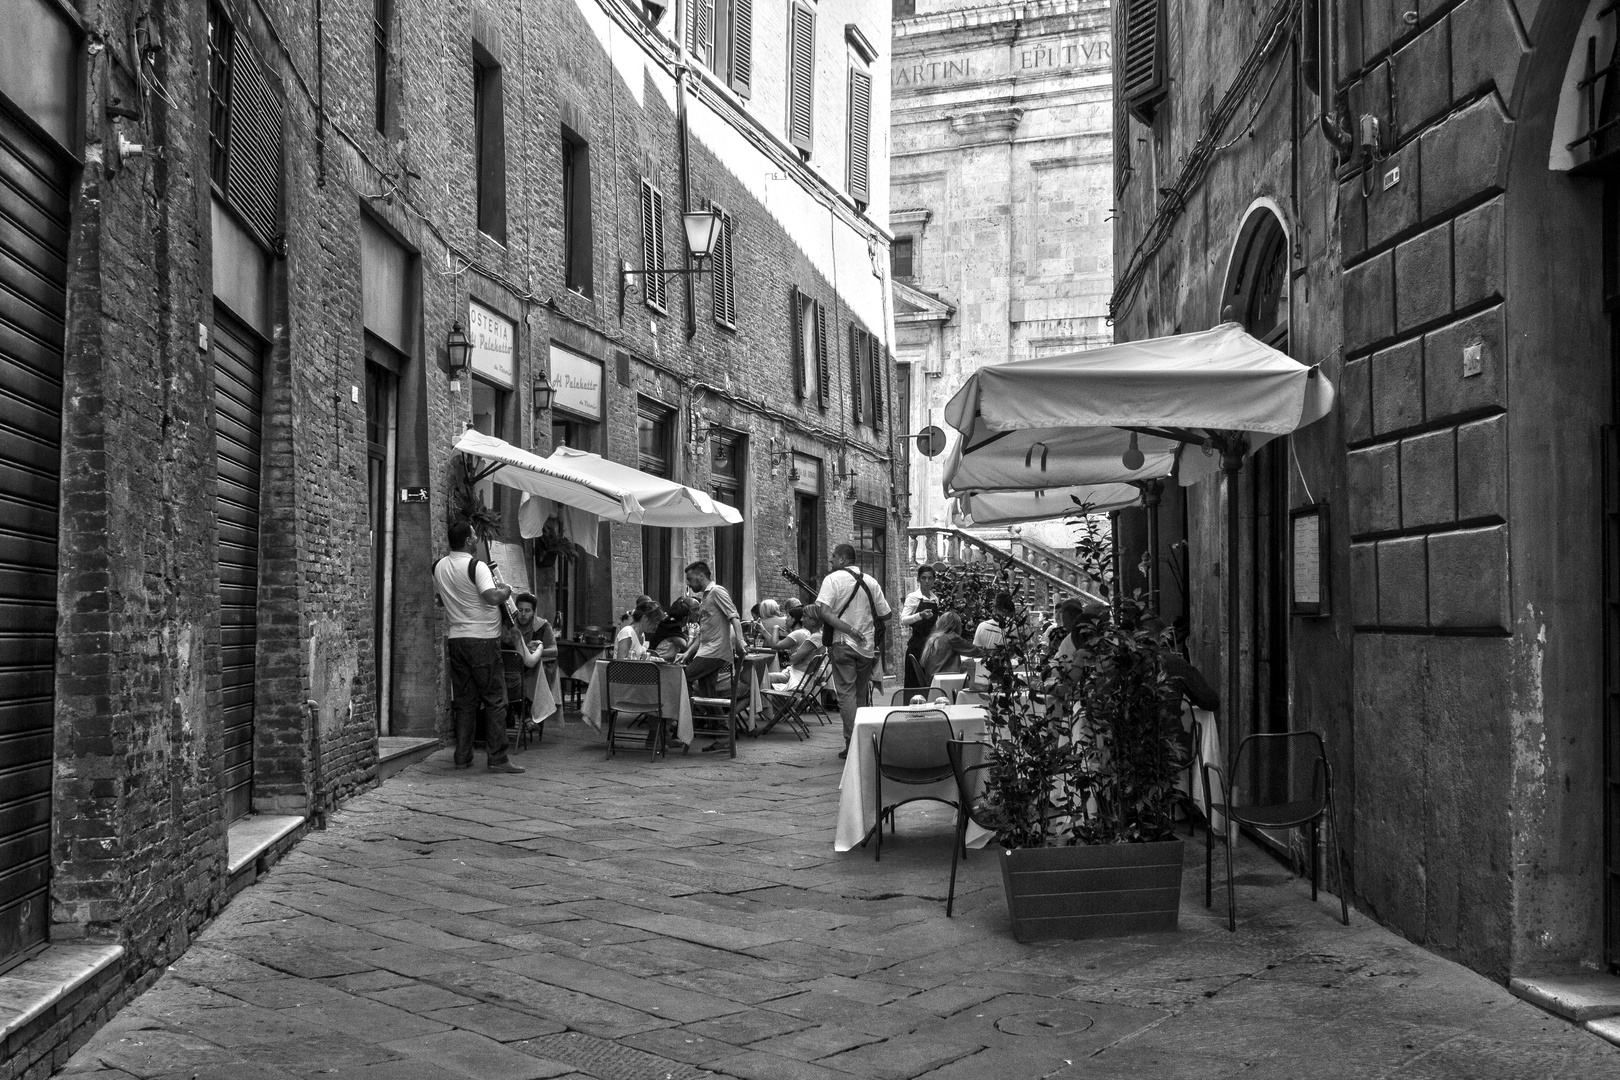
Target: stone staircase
1047, 577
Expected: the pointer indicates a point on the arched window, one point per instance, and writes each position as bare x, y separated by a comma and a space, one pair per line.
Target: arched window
1257, 293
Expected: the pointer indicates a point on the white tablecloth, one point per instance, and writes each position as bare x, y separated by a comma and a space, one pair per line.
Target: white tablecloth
857, 804
672, 684
950, 683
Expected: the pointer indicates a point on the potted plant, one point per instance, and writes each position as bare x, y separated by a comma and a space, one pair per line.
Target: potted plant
467, 504
552, 545
1082, 767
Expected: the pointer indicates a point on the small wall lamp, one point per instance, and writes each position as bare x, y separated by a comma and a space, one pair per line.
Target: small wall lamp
459, 350
544, 393
702, 236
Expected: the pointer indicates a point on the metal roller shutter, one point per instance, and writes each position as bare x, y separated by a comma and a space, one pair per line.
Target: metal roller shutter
33, 303
238, 406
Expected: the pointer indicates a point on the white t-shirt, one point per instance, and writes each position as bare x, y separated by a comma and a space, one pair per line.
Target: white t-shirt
463, 598
840, 588
637, 649
988, 635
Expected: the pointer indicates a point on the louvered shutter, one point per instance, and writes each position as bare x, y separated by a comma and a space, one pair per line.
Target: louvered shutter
1122, 116
722, 275
860, 135
801, 384
1144, 77
876, 349
742, 47
655, 286
253, 158
857, 371
802, 77
701, 41
823, 361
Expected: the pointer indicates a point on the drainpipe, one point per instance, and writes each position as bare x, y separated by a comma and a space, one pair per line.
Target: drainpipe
682, 138
1324, 37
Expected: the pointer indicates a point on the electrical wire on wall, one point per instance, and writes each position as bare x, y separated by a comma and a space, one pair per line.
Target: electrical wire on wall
1278, 27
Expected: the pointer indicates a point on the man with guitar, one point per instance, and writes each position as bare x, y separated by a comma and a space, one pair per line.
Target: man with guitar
473, 602
853, 605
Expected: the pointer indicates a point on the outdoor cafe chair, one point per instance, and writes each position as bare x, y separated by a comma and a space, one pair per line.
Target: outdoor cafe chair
721, 716
790, 706
910, 750
1300, 807
966, 758
930, 694
627, 696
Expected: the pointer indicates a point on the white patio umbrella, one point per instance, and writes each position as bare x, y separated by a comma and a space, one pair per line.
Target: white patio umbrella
663, 502
1017, 507
1193, 402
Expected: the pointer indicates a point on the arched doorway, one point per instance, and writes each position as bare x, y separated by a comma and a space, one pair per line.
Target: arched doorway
1257, 296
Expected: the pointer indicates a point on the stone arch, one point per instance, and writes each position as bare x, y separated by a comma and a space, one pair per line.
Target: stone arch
1255, 288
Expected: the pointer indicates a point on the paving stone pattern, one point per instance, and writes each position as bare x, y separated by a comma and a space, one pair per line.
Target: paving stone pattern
633, 920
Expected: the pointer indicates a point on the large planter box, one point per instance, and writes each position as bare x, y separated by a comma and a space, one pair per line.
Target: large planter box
1092, 891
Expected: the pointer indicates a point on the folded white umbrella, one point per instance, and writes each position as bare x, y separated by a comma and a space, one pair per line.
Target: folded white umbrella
662, 502
515, 468
1069, 419
1015, 507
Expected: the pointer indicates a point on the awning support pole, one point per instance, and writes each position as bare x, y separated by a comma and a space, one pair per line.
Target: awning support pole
1151, 492
1231, 466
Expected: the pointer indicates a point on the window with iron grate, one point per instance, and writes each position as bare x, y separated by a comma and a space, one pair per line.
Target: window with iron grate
382, 13
221, 40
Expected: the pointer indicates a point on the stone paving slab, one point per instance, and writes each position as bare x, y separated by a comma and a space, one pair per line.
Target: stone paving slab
599, 920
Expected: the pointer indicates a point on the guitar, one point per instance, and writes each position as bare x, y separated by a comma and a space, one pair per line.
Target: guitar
880, 627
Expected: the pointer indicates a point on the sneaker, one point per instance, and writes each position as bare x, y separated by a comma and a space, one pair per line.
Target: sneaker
507, 767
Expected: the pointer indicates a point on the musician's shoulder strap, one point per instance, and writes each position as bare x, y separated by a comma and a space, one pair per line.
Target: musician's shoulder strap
472, 568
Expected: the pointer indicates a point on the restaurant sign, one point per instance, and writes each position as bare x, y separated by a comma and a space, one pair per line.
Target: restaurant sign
578, 382
493, 355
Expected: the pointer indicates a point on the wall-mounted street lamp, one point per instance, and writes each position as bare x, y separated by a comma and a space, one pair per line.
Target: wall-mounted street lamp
544, 393
702, 229
459, 350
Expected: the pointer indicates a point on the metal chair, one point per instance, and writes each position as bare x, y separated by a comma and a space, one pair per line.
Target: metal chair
790, 706
627, 692
966, 758
930, 694
910, 750
1301, 808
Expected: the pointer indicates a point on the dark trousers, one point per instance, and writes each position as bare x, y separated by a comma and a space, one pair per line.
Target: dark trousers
478, 676
700, 673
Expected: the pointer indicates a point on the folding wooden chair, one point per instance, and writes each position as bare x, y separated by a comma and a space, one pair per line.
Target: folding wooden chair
720, 716
790, 706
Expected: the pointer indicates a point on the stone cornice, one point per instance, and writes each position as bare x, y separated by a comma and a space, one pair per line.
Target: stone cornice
992, 17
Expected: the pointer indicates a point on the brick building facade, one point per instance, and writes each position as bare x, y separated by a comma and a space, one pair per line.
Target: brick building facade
249, 228
1411, 200
1001, 164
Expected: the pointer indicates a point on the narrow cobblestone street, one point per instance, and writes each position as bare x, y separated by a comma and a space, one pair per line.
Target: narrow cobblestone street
627, 920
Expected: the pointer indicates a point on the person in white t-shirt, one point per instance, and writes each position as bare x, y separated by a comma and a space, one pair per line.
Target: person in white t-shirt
472, 601
851, 603
631, 643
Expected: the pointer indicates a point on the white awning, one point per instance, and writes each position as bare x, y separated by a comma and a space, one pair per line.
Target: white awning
1057, 421
663, 502
1015, 507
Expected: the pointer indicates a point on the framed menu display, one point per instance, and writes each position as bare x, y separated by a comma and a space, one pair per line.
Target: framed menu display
1308, 526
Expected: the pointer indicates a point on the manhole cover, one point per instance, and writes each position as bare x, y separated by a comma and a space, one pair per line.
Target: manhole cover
1046, 1022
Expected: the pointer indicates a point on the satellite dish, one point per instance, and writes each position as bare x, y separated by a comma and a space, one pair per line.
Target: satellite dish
930, 441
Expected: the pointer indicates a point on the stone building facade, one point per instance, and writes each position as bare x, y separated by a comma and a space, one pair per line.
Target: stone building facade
1001, 150
1416, 202
240, 235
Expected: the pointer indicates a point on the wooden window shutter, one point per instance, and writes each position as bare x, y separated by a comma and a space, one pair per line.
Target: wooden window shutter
1122, 116
875, 347
860, 135
253, 158
802, 77
701, 39
722, 275
654, 285
1144, 82
857, 371
742, 47
801, 384
823, 360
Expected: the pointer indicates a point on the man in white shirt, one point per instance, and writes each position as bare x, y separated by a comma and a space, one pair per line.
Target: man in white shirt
720, 634
851, 603
472, 601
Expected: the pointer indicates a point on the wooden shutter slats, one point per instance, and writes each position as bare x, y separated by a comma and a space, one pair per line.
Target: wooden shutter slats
722, 274
801, 383
742, 47
802, 77
823, 362
655, 286
857, 370
701, 39
875, 348
253, 157
1142, 70
860, 135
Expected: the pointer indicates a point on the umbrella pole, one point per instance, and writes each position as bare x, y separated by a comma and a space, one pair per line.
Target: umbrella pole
1231, 465
1150, 499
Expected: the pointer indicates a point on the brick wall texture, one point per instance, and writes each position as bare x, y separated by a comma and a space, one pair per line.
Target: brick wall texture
139, 820
1448, 283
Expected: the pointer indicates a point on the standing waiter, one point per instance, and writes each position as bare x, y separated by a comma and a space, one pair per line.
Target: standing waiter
473, 601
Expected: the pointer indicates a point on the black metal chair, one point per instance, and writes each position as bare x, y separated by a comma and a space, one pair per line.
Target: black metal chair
930, 694
1299, 809
910, 750
627, 694
966, 758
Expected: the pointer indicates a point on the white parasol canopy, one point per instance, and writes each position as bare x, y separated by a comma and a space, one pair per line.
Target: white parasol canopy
1015, 507
1056, 421
605, 489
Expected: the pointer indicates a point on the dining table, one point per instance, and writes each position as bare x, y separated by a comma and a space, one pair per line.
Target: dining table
574, 659
857, 800
671, 696
756, 665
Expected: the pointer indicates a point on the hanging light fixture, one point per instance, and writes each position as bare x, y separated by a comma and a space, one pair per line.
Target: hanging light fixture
1133, 458
544, 393
458, 349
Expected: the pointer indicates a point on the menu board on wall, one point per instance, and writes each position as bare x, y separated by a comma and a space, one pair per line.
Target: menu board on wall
1310, 553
